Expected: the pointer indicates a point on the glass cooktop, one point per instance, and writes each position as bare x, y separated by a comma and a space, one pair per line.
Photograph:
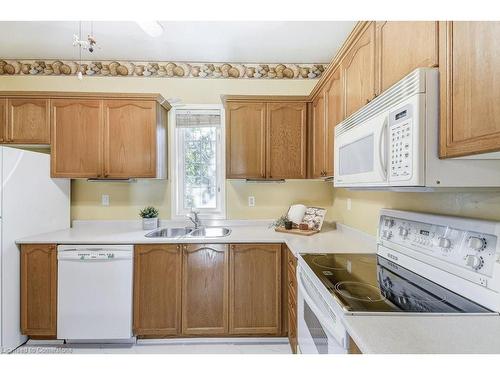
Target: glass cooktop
370, 283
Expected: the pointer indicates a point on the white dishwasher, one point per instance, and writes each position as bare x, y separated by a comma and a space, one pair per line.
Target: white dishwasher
94, 292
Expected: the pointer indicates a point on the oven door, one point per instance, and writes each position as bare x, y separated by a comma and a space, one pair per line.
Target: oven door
319, 329
361, 154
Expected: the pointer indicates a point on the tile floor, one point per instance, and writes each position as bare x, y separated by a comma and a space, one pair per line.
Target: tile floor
162, 347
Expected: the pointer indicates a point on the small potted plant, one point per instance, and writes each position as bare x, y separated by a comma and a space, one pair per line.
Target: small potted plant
149, 218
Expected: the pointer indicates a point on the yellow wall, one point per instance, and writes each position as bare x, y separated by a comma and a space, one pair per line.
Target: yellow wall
365, 205
272, 200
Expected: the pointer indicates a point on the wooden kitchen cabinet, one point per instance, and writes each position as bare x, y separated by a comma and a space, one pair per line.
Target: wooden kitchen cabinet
157, 290
246, 140
469, 65
3, 120
286, 144
129, 138
77, 127
266, 137
255, 289
28, 121
292, 299
403, 46
326, 114
205, 289
39, 290
358, 72
318, 136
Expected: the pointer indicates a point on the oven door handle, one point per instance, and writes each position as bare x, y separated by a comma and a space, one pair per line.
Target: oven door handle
382, 152
323, 319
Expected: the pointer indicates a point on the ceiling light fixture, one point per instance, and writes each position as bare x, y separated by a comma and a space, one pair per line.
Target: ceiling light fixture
152, 28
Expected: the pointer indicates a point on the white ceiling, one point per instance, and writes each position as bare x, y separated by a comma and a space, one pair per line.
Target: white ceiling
245, 42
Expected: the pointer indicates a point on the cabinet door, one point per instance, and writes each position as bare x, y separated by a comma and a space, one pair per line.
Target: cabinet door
404, 46
157, 290
205, 289
76, 138
255, 289
286, 140
358, 72
469, 65
129, 138
333, 115
292, 299
246, 140
28, 121
3, 120
38, 290
318, 137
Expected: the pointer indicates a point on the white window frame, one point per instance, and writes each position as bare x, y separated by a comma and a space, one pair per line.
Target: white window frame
176, 166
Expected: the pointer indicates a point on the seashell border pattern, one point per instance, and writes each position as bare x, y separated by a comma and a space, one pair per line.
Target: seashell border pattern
161, 69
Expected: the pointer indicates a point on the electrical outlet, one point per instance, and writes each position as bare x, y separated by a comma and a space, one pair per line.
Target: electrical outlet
251, 201
105, 200
349, 204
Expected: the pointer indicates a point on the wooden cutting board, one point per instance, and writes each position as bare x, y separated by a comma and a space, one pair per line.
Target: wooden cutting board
308, 232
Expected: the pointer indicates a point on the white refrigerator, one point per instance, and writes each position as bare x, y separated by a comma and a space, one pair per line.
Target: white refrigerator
30, 203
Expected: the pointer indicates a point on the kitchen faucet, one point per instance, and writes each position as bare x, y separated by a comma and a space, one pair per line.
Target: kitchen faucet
196, 220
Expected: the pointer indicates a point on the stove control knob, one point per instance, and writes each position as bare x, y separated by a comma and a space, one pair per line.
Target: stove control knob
387, 234
476, 243
442, 242
474, 261
403, 232
389, 223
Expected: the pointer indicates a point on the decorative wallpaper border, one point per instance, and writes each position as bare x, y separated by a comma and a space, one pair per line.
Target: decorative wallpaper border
161, 69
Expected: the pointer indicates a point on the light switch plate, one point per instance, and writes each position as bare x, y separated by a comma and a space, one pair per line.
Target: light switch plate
349, 204
105, 200
251, 201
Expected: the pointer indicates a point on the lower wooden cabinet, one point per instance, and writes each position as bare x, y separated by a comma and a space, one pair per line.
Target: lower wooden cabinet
39, 290
255, 289
205, 289
212, 290
292, 299
157, 290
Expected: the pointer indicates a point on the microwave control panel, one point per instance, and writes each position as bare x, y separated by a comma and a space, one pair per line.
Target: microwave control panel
400, 144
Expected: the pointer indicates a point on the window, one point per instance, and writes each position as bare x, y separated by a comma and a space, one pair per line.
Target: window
199, 162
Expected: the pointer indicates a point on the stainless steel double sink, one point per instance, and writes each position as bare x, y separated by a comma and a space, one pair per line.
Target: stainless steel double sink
203, 232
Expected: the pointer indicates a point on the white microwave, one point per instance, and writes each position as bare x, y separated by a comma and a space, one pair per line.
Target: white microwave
393, 142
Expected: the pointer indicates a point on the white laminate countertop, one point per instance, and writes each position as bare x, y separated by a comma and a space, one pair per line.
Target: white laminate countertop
425, 334
331, 239
373, 334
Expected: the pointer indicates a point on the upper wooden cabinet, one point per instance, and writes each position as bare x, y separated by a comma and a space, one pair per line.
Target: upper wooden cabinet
28, 121
205, 289
255, 289
318, 137
402, 47
358, 72
157, 290
108, 138
3, 120
469, 64
77, 129
266, 137
286, 140
245, 140
327, 112
130, 137
39, 290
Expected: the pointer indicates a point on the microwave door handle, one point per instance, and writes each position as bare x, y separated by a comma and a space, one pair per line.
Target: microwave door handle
382, 152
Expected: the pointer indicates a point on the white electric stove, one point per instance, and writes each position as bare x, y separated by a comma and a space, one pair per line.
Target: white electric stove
425, 264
